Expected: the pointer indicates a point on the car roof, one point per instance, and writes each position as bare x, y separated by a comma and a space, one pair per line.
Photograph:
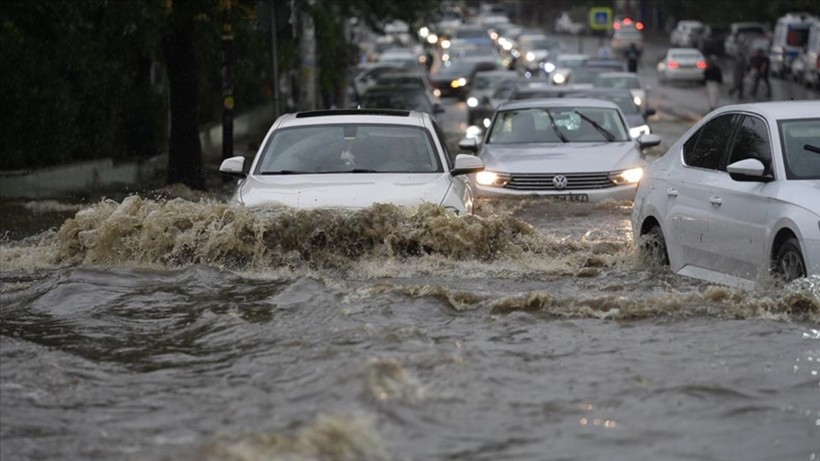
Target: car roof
557, 103
778, 110
339, 116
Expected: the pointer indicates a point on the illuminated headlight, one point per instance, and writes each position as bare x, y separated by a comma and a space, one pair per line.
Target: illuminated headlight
459, 83
638, 101
636, 131
445, 44
424, 32
494, 36
516, 54
549, 67
472, 101
507, 45
432, 39
486, 123
559, 79
473, 131
630, 176
488, 178
437, 93
445, 57
530, 56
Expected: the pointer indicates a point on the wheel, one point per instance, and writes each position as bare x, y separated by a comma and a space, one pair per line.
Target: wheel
653, 247
788, 262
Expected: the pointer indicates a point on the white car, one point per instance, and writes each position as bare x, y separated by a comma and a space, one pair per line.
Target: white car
737, 196
686, 33
682, 65
570, 149
354, 158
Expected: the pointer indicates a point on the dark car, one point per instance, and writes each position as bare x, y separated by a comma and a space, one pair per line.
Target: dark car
712, 41
454, 80
396, 96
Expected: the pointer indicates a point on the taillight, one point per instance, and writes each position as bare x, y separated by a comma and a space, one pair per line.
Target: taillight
701, 64
673, 64
639, 25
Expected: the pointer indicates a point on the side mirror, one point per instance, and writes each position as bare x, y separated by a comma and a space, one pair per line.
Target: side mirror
234, 166
468, 144
466, 164
750, 169
649, 140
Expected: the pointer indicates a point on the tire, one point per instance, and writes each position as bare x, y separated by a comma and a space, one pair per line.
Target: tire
653, 247
788, 263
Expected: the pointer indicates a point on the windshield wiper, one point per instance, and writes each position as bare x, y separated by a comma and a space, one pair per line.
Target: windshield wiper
606, 133
811, 148
286, 172
555, 127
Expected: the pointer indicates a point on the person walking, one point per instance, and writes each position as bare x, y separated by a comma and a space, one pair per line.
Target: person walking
760, 66
713, 76
738, 74
632, 56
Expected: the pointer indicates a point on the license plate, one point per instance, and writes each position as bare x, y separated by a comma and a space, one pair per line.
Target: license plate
572, 198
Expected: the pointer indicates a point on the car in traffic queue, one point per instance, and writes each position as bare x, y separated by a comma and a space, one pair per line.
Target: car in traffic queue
479, 107
354, 158
686, 33
625, 33
635, 116
402, 96
624, 80
568, 149
454, 81
682, 65
737, 197
738, 32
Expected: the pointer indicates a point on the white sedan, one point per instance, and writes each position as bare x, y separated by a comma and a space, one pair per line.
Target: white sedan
737, 197
354, 158
682, 65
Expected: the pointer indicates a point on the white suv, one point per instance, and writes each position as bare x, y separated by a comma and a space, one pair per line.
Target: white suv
355, 158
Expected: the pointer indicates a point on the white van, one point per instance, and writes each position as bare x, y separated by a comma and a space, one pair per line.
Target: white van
807, 66
791, 35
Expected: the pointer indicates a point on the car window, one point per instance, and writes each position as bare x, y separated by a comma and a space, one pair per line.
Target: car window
349, 147
752, 141
800, 143
707, 147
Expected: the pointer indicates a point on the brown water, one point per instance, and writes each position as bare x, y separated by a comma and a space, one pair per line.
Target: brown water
153, 329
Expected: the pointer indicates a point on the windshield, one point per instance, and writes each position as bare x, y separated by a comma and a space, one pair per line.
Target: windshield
801, 148
349, 148
565, 124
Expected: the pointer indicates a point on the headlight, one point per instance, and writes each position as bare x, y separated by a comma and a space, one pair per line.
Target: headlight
530, 56
445, 44
630, 176
459, 83
437, 93
473, 132
488, 178
559, 79
638, 101
472, 101
549, 67
636, 131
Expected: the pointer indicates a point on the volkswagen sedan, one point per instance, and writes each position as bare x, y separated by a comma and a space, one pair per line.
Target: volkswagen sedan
737, 197
569, 149
354, 159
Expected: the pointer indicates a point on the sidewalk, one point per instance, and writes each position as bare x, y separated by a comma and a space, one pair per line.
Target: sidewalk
95, 176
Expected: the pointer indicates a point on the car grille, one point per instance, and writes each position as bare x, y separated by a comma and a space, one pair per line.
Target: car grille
544, 181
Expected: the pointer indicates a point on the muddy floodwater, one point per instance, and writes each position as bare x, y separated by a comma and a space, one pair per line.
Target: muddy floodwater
179, 329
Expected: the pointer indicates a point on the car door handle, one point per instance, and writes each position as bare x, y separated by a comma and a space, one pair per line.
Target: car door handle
715, 200
672, 192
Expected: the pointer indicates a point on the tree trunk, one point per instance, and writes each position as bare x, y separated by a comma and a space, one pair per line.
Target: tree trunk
184, 149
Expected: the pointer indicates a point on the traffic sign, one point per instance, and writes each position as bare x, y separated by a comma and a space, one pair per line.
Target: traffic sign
600, 18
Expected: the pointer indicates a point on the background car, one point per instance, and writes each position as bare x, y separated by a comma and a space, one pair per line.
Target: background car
686, 33
484, 84
682, 65
454, 81
400, 96
635, 116
736, 197
624, 80
353, 159
737, 30
569, 149
626, 33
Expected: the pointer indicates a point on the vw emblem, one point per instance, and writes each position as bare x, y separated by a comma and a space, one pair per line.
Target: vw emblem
559, 181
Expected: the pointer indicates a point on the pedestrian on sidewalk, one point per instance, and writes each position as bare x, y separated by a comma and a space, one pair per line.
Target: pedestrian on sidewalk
760, 66
738, 73
713, 76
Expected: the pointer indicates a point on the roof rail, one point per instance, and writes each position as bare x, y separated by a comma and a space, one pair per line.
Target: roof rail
323, 113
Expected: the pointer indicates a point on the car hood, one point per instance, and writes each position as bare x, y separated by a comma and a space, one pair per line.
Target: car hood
354, 190
587, 157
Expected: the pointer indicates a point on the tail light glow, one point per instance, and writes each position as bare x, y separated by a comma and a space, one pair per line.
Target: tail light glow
701, 65
673, 64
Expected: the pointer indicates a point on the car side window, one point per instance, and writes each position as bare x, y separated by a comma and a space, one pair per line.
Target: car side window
707, 147
752, 141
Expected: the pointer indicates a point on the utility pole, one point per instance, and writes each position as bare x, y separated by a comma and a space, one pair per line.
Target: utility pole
227, 82
275, 59
307, 45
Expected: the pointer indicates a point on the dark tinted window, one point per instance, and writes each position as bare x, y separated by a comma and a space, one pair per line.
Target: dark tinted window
707, 147
752, 141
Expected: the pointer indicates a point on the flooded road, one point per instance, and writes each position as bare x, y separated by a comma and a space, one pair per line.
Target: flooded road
160, 329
